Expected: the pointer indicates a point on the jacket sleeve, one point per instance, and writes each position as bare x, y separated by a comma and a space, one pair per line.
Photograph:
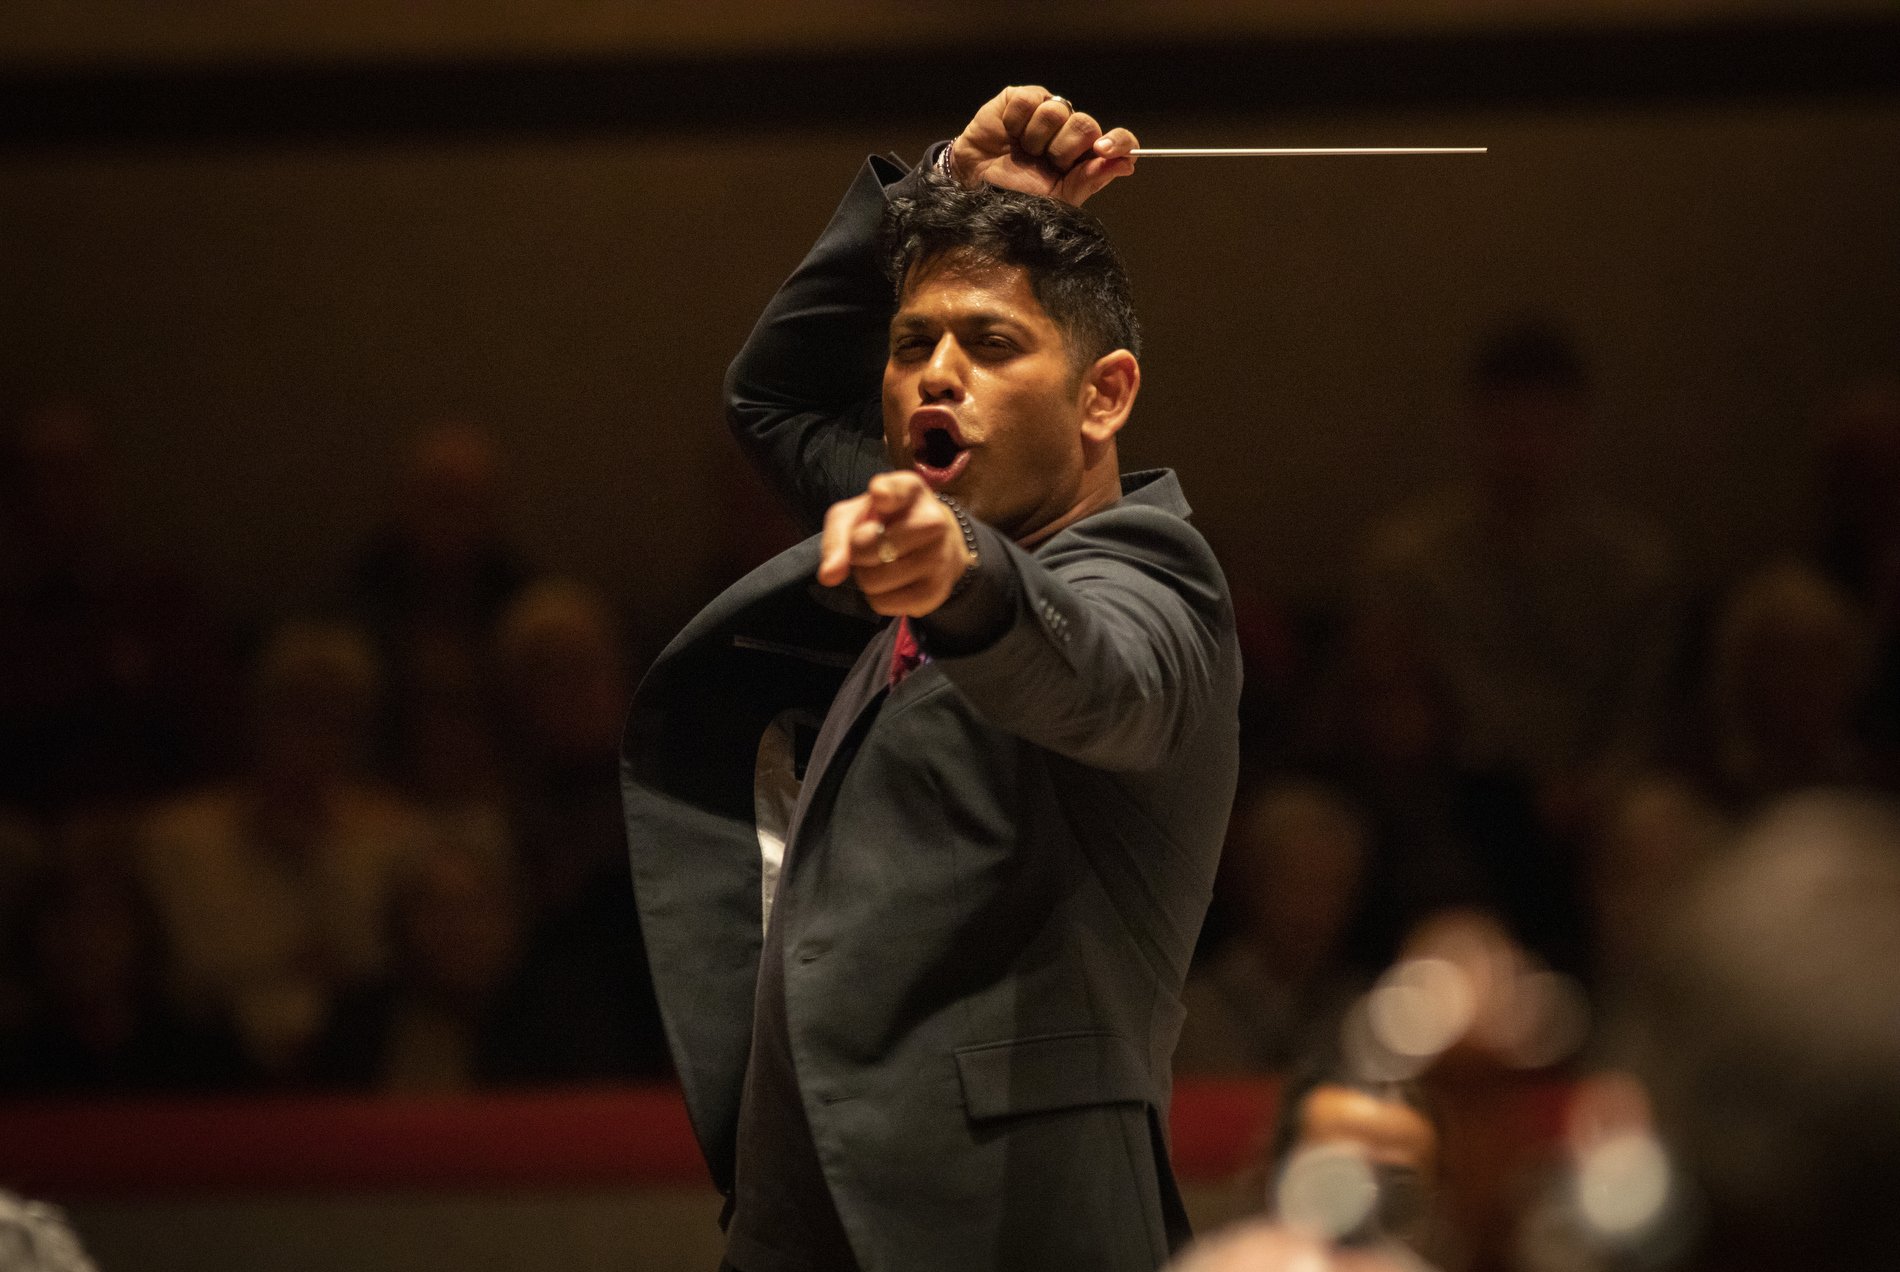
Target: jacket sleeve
803, 395
1119, 643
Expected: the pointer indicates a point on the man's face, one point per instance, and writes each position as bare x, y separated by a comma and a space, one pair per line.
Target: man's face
981, 397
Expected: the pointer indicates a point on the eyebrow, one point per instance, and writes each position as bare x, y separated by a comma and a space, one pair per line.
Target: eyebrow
981, 318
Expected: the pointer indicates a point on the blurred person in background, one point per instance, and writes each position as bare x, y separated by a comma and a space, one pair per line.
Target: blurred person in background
584, 991
1789, 675
432, 583
97, 959
563, 674
116, 683
1859, 517
21, 854
431, 1023
1550, 613
1785, 685
1550, 617
448, 752
1659, 833
1382, 728
1291, 871
274, 888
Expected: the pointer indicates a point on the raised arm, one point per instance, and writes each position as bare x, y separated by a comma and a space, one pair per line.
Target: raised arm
802, 396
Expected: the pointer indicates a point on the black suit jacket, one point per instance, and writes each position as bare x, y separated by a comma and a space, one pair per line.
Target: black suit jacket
995, 879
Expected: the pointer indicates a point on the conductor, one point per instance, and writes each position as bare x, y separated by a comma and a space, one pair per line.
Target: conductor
924, 813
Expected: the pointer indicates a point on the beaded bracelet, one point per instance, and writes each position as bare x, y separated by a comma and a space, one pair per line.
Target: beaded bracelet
969, 541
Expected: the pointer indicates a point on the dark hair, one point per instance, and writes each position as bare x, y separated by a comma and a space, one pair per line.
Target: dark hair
1075, 273
1532, 353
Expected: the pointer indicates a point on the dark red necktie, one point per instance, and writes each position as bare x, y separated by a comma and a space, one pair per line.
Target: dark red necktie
907, 655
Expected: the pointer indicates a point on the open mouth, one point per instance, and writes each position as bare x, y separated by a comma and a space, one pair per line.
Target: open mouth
937, 449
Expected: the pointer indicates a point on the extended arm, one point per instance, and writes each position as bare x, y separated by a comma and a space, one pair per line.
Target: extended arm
1119, 639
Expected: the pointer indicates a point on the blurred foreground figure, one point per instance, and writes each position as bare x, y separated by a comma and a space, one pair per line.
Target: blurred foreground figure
1268, 1247
34, 1237
1770, 1044
1357, 1160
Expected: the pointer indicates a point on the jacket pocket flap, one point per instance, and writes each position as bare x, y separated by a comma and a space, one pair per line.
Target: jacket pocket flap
1059, 1071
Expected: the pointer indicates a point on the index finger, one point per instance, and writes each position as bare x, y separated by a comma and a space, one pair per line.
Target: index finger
892, 493
834, 554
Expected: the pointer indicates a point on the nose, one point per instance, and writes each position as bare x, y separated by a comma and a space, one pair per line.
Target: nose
943, 375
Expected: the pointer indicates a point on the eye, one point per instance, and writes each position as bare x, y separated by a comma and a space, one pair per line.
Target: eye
996, 346
909, 346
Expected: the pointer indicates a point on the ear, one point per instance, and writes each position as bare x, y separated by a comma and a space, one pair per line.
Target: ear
1108, 394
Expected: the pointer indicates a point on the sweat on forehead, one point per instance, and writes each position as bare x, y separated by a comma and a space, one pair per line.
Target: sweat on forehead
959, 264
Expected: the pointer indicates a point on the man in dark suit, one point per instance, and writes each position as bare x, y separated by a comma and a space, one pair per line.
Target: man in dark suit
925, 812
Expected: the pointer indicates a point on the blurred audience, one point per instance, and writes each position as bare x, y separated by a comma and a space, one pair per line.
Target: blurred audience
441, 570
273, 888
399, 863
447, 752
115, 682
1545, 622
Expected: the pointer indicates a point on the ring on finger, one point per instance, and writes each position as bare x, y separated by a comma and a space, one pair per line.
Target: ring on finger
1057, 97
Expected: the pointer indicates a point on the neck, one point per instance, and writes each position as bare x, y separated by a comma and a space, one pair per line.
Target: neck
1101, 486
